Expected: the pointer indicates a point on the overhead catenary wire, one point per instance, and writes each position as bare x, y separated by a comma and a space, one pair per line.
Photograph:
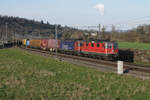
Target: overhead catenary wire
132, 23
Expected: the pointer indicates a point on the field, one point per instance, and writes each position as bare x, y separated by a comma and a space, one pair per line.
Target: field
30, 76
141, 46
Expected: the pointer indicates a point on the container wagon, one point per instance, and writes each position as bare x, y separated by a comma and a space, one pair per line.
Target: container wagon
67, 47
52, 44
44, 44
27, 42
24, 42
35, 43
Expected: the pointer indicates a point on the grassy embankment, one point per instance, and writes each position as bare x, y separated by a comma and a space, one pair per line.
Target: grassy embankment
129, 45
26, 76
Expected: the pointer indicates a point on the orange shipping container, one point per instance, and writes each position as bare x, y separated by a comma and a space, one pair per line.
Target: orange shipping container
35, 43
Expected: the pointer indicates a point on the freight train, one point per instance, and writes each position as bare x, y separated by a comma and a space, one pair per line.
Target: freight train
95, 49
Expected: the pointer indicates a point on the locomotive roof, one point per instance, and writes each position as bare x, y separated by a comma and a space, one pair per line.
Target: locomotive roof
96, 41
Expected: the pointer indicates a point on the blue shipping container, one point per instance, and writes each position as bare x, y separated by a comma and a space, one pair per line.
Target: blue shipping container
27, 42
65, 45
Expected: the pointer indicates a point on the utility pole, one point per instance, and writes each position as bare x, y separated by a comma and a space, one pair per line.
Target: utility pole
56, 37
6, 38
99, 32
113, 29
14, 38
3, 38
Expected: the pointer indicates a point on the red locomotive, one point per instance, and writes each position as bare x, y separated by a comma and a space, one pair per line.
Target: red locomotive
97, 49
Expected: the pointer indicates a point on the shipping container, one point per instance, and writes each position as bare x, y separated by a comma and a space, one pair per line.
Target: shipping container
24, 42
27, 42
52, 44
35, 43
67, 45
44, 44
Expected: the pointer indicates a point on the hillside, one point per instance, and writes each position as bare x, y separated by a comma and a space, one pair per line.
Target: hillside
26, 28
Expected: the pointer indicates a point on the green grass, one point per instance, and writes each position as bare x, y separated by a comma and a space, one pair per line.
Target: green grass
128, 45
29, 76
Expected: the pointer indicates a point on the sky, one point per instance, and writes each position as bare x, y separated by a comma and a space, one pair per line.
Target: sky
78, 12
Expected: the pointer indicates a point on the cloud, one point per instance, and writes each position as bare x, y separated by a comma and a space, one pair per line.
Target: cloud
100, 8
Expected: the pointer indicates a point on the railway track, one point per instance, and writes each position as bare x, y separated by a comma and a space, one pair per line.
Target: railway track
128, 67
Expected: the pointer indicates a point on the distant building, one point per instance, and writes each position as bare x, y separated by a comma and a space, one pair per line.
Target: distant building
94, 34
86, 33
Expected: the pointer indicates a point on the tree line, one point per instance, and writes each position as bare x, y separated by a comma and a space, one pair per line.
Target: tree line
24, 28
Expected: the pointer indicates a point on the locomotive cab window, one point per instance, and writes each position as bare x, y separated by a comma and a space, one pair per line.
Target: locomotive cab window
92, 45
98, 45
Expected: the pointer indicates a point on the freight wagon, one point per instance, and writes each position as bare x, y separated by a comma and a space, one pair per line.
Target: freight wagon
24, 42
50, 44
44, 44
67, 47
35, 43
27, 42
53, 44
